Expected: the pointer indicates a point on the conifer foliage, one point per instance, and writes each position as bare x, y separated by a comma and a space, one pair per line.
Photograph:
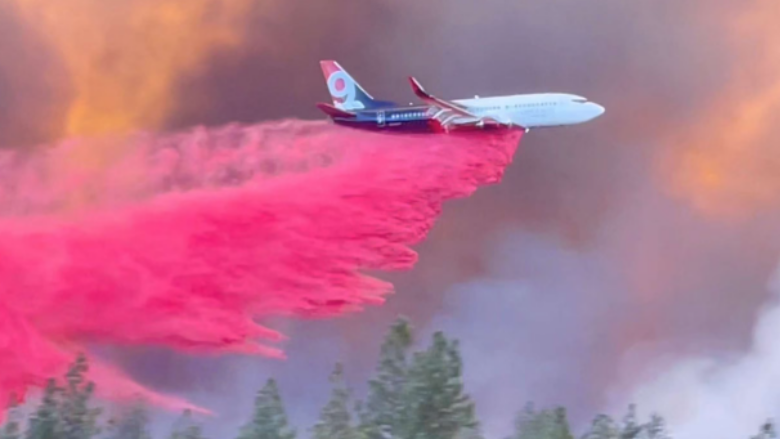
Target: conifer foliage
43, 423
435, 404
65, 412
187, 428
414, 394
269, 419
77, 420
383, 416
12, 429
335, 418
133, 423
419, 396
544, 424
767, 431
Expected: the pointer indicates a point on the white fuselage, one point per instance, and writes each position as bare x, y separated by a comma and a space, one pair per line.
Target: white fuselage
535, 110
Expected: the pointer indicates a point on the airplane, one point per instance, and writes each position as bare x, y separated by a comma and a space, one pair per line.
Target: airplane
354, 107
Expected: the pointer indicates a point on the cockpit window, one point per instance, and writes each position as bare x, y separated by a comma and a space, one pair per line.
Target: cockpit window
580, 100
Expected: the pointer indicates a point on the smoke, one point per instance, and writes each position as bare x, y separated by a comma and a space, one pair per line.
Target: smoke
698, 392
553, 323
725, 162
539, 340
123, 59
689, 253
28, 84
671, 190
233, 225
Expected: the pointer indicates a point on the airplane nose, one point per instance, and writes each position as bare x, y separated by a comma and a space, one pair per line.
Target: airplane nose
599, 109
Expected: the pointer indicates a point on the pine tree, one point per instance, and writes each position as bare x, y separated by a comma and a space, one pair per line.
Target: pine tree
630, 428
546, 424
76, 419
133, 424
561, 423
335, 419
469, 433
382, 415
436, 406
767, 431
656, 428
12, 428
44, 422
269, 420
603, 427
528, 424
187, 428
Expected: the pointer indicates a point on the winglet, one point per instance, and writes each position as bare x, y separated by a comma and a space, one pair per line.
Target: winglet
418, 88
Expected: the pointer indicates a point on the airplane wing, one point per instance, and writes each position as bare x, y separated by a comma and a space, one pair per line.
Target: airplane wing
427, 97
455, 113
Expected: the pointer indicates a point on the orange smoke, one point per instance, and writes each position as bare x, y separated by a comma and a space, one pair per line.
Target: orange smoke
124, 57
124, 60
728, 164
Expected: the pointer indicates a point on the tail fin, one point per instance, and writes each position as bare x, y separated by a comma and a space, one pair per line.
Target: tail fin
346, 93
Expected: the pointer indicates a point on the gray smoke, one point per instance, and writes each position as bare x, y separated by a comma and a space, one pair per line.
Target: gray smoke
578, 267
720, 394
556, 324
568, 282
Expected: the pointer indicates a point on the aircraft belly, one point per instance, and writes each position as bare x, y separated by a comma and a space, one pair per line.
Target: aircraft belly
403, 126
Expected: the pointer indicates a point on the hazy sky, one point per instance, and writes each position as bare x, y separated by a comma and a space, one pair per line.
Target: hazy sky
648, 233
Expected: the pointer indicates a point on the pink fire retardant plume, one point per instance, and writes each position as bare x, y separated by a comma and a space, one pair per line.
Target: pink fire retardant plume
188, 238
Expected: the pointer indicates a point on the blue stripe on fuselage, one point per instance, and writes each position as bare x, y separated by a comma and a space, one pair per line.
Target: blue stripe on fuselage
404, 119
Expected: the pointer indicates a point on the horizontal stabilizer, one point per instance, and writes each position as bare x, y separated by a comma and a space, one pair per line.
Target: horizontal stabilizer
332, 111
